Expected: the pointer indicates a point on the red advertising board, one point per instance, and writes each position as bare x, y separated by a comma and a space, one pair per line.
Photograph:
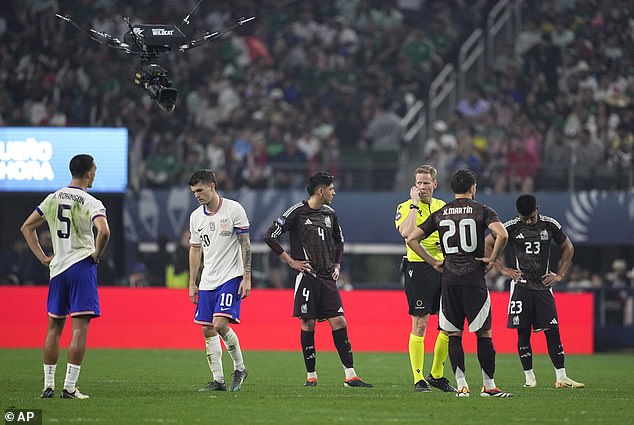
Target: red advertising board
163, 318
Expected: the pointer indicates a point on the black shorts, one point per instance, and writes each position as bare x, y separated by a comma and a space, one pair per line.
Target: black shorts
531, 308
422, 288
316, 298
460, 302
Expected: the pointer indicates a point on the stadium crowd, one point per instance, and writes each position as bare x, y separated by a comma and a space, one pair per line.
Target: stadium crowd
323, 85
291, 92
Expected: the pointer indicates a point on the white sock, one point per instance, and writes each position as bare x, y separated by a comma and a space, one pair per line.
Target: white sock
560, 374
312, 375
72, 374
233, 348
214, 358
49, 376
350, 373
488, 382
461, 381
530, 375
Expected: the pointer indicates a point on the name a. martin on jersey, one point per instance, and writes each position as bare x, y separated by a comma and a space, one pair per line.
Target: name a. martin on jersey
457, 210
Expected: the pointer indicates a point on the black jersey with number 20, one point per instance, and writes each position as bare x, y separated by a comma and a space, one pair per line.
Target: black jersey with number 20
461, 225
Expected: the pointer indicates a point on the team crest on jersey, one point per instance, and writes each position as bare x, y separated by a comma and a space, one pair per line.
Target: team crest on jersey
543, 235
516, 320
212, 226
327, 222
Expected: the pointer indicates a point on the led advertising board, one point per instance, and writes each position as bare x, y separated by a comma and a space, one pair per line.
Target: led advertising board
35, 159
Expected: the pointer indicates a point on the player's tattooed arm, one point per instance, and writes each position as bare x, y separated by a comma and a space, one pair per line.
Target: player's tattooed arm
245, 244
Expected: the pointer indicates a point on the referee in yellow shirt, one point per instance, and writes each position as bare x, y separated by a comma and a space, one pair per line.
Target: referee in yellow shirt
422, 281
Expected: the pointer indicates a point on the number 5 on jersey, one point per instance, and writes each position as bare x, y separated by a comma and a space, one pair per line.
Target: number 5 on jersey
64, 221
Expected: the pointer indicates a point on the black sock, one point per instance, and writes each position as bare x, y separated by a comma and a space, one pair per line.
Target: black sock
486, 355
555, 349
308, 347
340, 337
524, 348
456, 353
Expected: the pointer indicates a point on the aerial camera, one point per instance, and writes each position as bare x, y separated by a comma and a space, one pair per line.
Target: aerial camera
148, 42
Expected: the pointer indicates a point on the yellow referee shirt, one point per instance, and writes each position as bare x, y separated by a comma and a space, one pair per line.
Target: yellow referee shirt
431, 243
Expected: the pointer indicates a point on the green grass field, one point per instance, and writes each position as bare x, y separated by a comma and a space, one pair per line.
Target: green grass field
160, 386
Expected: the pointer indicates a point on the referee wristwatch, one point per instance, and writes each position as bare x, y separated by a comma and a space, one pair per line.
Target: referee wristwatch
413, 207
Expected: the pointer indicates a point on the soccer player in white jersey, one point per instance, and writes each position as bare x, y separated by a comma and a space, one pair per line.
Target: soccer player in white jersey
71, 214
219, 230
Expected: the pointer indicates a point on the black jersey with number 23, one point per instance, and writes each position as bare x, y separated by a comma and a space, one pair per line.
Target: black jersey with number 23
531, 247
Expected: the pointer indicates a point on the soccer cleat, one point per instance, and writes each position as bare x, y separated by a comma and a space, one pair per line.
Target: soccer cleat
441, 383
48, 393
214, 386
75, 394
569, 383
530, 383
463, 392
494, 392
239, 377
356, 382
422, 387
311, 382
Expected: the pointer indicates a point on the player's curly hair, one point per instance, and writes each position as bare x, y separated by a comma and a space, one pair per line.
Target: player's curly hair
202, 176
319, 179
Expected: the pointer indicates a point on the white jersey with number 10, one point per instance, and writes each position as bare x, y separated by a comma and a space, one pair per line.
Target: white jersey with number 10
217, 233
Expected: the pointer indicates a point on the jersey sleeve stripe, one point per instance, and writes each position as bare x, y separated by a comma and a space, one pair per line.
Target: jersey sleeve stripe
241, 230
291, 209
512, 222
39, 211
550, 220
98, 215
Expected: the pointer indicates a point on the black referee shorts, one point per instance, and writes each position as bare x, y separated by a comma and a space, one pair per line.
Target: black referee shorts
422, 288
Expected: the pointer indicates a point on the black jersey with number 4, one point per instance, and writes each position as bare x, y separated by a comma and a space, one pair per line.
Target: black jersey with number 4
314, 235
531, 247
461, 225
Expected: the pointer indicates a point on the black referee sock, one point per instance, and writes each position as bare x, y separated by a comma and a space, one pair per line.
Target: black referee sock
486, 355
555, 349
456, 353
524, 348
340, 337
308, 348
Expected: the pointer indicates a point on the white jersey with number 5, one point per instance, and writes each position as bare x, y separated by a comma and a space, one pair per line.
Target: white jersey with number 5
69, 213
217, 232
